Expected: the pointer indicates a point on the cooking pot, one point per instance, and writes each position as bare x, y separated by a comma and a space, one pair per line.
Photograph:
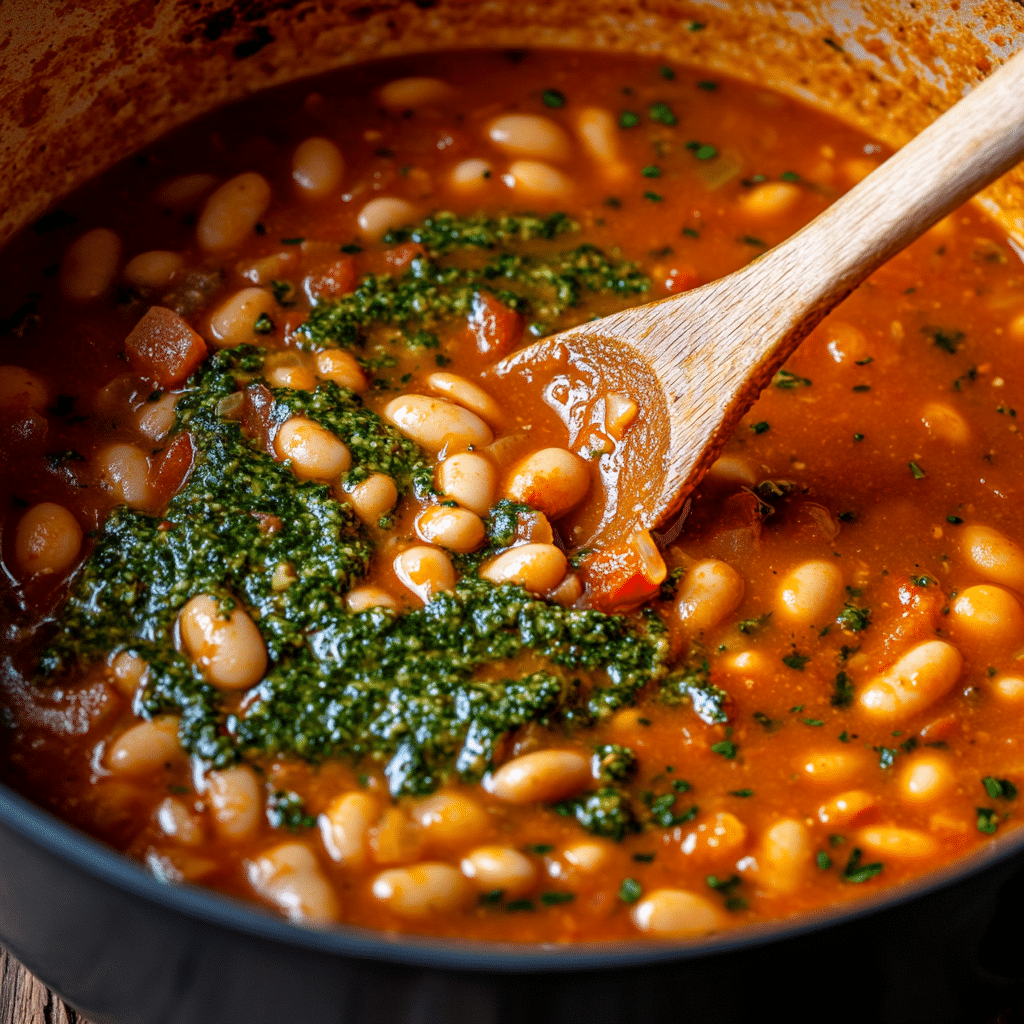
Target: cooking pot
84, 86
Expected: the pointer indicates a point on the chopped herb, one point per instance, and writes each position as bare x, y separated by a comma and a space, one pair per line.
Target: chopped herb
917, 471
517, 905
843, 694
954, 520
292, 241
752, 240
860, 388
789, 176
288, 810
948, 341
696, 26
707, 86
492, 897
726, 748
670, 584
644, 858
836, 840
662, 114
847, 517
853, 618
352, 248
705, 152
540, 848
628, 119
606, 812
858, 437
922, 581
857, 872
691, 232
886, 756
988, 820
760, 428
796, 661
835, 46
796, 709
651, 171
909, 744
844, 737
681, 785
788, 380
284, 293
812, 721
727, 887
554, 899
553, 98
824, 861
749, 626
263, 325
653, 197
668, 74
613, 763
630, 890
693, 683
741, 792
664, 814
999, 789
766, 723
865, 360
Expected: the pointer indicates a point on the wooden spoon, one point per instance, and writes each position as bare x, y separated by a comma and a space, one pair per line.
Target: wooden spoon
696, 362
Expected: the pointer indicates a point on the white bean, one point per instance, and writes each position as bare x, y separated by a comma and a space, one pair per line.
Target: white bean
469, 479
227, 648
529, 135
435, 424
541, 776
232, 212
342, 368
552, 480
833, 767
157, 418
810, 593
470, 175
153, 269
345, 825
363, 598
47, 541
536, 567
124, 473
925, 777
426, 571
89, 265
708, 592
183, 194
772, 199
463, 392
945, 422
499, 867
289, 877
537, 181
676, 914
846, 808
450, 821
994, 555
317, 168
146, 747
719, 838
421, 890
234, 321
21, 387
314, 451
733, 469
599, 134
179, 822
987, 614
919, 678
784, 855
127, 672
456, 529
235, 799
374, 497
905, 844
381, 214
413, 92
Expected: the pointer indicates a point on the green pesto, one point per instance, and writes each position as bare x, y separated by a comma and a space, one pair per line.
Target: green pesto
403, 689
434, 289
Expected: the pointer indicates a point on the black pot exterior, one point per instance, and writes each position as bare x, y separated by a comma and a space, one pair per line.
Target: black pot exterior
124, 949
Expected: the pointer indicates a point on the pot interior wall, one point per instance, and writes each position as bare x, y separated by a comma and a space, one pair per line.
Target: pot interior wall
82, 90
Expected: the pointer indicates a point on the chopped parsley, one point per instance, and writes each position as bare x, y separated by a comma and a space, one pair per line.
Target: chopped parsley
856, 871
796, 661
553, 98
988, 820
630, 890
843, 693
999, 789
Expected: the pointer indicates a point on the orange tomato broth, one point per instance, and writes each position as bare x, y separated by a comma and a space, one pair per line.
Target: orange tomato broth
861, 474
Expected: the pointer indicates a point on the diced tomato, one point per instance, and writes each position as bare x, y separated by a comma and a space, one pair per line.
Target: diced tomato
625, 574
334, 279
495, 327
681, 279
257, 416
402, 255
162, 346
173, 468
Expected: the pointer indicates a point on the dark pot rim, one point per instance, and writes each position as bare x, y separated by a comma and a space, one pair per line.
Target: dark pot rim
101, 862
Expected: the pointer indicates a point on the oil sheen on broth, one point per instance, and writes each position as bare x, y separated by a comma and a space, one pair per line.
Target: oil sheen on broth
292, 609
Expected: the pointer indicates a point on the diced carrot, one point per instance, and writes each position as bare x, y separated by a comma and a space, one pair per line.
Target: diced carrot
681, 279
173, 468
334, 279
625, 574
164, 347
402, 255
495, 327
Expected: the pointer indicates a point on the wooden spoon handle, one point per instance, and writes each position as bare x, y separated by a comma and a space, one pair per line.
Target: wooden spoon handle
960, 153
